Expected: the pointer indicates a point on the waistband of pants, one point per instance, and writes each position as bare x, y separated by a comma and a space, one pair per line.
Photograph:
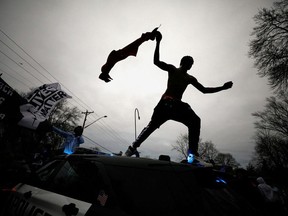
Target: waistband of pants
168, 97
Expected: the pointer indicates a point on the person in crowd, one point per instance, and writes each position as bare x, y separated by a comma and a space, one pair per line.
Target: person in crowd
72, 139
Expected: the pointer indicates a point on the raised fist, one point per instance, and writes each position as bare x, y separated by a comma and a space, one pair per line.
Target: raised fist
158, 36
228, 85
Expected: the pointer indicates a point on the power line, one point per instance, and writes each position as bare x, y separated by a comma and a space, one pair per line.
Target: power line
39, 66
24, 60
34, 67
16, 73
20, 66
97, 143
14, 77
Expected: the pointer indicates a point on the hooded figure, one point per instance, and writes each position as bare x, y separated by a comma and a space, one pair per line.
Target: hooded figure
265, 190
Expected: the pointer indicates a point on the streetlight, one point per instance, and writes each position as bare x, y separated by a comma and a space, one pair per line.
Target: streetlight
95, 121
136, 110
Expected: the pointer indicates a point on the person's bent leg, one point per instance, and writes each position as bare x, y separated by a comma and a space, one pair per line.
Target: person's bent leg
188, 117
194, 134
193, 137
158, 118
145, 133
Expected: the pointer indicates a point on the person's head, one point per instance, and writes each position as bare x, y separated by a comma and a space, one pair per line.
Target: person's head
260, 180
78, 130
187, 62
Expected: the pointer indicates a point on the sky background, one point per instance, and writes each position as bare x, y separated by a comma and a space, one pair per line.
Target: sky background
68, 41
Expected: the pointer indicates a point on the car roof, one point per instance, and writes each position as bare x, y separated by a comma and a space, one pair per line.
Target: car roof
127, 161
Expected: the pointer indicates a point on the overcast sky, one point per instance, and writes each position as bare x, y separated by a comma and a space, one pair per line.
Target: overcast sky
67, 41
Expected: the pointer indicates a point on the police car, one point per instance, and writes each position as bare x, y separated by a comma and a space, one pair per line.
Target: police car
93, 184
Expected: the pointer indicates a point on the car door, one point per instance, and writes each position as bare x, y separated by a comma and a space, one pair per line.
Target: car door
30, 200
54, 192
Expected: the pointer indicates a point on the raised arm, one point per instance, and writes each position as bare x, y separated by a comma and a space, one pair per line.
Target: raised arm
157, 62
60, 132
208, 90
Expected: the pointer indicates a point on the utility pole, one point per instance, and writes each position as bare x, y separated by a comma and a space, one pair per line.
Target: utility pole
85, 118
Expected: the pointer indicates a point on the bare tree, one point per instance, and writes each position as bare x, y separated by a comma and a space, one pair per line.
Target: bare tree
269, 47
181, 146
274, 118
64, 117
271, 137
226, 160
271, 151
207, 149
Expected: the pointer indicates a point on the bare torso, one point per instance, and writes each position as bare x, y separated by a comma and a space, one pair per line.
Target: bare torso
177, 83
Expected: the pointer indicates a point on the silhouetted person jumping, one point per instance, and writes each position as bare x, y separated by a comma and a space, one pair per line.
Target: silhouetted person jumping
170, 105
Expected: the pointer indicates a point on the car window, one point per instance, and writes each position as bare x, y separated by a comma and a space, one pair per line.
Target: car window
41, 177
46, 171
79, 179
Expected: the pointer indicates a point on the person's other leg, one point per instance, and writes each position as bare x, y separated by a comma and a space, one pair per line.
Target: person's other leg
184, 114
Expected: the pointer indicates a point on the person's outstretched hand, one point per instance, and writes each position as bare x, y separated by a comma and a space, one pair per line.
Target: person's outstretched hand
228, 85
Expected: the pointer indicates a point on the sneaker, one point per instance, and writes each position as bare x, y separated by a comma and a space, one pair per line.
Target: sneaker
193, 156
131, 151
190, 158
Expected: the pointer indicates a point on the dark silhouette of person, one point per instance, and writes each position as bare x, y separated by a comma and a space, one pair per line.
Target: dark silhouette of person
170, 106
72, 139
